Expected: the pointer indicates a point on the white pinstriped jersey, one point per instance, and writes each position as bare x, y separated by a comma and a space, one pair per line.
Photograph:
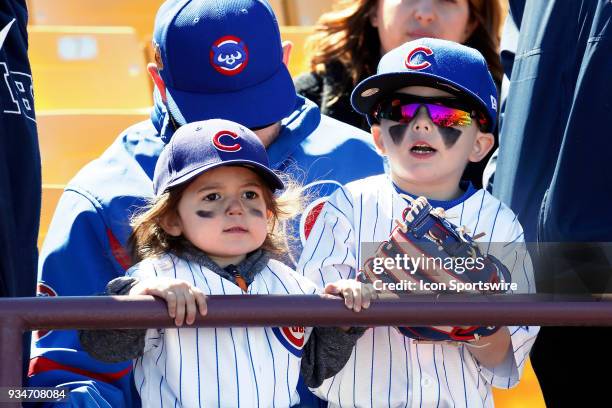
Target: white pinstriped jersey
221, 367
386, 368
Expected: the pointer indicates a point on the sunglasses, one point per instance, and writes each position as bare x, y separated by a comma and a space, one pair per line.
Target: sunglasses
443, 111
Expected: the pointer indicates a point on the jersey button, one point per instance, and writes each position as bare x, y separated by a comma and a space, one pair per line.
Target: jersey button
426, 381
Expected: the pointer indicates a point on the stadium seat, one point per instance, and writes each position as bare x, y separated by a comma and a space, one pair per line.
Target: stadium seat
527, 394
88, 68
305, 13
139, 14
279, 9
50, 196
298, 62
70, 139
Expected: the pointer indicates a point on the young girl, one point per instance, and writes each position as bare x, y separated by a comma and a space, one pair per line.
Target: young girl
211, 231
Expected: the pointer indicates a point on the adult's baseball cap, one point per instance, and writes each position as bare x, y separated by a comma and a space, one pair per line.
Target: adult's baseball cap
223, 59
446, 65
201, 146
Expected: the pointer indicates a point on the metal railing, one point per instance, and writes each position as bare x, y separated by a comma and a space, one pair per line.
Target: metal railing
22, 314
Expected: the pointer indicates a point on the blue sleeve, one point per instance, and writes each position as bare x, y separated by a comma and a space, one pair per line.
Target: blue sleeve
78, 259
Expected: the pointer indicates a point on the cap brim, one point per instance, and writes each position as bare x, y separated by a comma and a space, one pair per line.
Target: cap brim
388, 83
246, 106
273, 181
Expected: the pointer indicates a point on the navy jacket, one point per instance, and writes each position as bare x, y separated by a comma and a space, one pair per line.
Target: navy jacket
556, 139
20, 185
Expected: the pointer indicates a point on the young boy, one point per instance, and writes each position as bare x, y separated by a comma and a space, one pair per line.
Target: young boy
432, 106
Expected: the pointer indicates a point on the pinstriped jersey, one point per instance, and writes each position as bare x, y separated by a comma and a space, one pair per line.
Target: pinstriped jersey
387, 368
221, 367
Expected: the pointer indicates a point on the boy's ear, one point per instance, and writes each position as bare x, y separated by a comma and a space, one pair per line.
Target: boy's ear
171, 224
378, 139
482, 146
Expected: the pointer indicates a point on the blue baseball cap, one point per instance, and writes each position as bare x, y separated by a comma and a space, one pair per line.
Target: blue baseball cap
223, 59
201, 146
446, 65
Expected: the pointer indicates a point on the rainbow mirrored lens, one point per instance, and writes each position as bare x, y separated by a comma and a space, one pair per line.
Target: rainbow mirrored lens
447, 117
440, 114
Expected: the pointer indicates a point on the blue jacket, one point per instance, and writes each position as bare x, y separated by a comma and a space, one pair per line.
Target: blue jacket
85, 246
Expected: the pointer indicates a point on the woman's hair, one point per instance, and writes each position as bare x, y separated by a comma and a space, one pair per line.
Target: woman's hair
489, 15
148, 238
346, 35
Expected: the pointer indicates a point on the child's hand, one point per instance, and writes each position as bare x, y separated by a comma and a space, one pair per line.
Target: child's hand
356, 295
181, 297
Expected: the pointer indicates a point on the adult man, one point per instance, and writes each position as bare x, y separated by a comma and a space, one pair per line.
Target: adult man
214, 59
553, 172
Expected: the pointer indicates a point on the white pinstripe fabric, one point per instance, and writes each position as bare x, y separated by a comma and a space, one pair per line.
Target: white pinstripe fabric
219, 367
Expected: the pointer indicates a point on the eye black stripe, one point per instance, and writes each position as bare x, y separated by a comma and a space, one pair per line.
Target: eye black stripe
397, 132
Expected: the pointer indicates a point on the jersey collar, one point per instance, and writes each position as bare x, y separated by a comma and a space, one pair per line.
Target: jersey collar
465, 185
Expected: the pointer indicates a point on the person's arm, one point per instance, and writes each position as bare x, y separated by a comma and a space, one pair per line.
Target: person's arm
329, 252
182, 299
329, 348
490, 351
20, 175
115, 345
502, 355
326, 352
77, 259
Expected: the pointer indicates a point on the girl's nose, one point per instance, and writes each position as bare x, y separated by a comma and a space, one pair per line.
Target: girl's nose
234, 207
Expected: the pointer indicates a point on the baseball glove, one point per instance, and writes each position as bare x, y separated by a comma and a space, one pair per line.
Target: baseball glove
426, 254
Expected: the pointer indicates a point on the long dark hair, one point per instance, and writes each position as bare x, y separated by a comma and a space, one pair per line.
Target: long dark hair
346, 35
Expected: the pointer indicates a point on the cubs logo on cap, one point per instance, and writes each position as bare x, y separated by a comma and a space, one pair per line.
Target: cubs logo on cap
220, 56
411, 60
202, 146
292, 338
229, 55
220, 141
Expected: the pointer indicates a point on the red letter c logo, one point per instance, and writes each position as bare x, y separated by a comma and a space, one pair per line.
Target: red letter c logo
425, 50
224, 147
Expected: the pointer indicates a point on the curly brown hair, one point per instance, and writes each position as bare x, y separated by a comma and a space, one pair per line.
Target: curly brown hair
346, 35
148, 238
